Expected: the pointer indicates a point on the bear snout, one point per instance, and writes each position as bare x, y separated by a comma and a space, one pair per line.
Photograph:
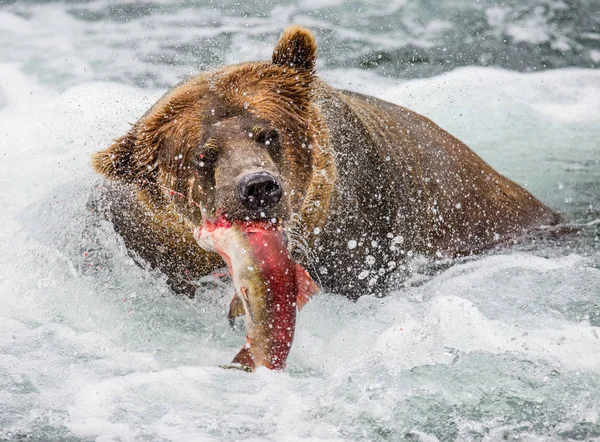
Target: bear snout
259, 191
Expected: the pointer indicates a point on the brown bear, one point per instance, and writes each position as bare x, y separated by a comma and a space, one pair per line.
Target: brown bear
358, 184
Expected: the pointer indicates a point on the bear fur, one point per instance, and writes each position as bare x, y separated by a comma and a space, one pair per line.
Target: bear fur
366, 183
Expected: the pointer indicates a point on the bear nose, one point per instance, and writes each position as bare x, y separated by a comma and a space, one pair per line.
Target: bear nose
259, 190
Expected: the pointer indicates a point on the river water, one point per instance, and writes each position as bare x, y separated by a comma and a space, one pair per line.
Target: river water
504, 346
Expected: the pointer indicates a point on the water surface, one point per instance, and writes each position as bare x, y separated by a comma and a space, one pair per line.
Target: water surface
503, 346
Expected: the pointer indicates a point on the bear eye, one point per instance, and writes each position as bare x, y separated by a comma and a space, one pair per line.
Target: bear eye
207, 158
268, 137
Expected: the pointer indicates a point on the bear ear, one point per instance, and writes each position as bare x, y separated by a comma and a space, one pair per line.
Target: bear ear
296, 48
114, 162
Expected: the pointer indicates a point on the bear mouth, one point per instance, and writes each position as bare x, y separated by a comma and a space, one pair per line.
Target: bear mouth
221, 217
268, 216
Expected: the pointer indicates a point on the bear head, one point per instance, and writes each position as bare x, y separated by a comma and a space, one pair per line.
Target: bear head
244, 142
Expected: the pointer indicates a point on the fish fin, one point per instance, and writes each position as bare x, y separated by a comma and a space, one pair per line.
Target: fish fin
305, 285
246, 304
244, 358
236, 308
236, 367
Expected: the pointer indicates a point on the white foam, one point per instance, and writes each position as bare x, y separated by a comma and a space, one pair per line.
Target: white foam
567, 95
92, 346
528, 126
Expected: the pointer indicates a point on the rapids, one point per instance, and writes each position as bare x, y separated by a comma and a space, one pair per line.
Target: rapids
93, 347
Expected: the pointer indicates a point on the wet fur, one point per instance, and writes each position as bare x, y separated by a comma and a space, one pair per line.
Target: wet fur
354, 168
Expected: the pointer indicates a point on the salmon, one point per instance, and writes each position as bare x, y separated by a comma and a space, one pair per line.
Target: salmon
270, 287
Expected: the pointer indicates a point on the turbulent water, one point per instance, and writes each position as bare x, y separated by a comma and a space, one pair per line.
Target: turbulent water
502, 346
